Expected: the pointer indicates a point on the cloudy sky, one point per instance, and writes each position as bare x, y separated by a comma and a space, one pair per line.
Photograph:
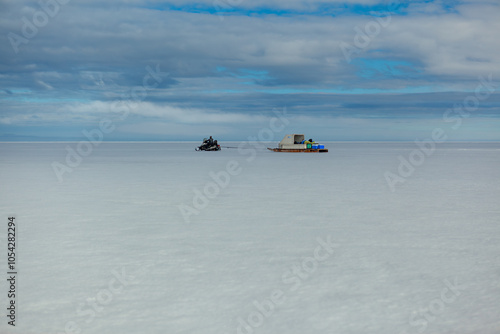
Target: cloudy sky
183, 70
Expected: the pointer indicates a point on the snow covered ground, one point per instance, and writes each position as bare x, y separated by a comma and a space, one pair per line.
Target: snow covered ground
140, 238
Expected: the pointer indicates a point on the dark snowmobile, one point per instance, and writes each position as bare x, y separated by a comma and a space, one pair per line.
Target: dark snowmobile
208, 145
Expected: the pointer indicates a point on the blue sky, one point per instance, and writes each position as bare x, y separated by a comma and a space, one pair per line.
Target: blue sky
183, 70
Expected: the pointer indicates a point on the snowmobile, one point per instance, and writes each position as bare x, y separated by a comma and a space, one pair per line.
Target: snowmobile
207, 146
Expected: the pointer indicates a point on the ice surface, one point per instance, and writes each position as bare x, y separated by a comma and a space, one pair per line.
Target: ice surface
397, 255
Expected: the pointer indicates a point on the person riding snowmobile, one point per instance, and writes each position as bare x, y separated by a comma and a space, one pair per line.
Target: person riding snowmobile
209, 145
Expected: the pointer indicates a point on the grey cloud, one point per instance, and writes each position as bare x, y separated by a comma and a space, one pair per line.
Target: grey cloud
96, 51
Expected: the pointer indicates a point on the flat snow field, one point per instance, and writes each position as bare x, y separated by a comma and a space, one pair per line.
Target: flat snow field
157, 238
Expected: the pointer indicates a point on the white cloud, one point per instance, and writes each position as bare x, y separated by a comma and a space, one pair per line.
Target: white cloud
162, 112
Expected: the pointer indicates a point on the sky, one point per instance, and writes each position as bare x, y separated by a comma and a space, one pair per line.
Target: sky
144, 70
